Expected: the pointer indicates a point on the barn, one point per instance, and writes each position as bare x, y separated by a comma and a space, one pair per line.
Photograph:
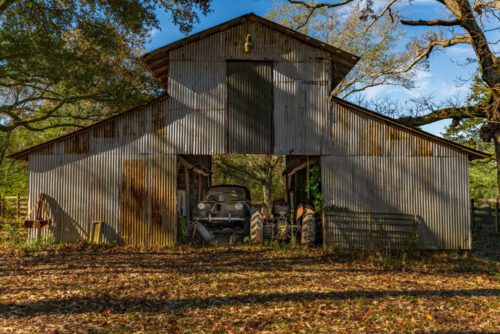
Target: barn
247, 86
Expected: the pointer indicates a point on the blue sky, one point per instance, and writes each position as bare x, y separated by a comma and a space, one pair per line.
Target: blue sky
441, 81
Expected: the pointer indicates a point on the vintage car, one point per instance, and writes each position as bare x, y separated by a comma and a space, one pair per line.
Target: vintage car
225, 213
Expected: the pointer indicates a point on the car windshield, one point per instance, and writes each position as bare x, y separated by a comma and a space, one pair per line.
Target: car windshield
223, 194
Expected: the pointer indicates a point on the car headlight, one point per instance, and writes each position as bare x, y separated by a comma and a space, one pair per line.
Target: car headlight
238, 206
201, 206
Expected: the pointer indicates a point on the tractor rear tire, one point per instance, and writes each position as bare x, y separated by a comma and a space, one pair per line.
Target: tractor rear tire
257, 227
308, 235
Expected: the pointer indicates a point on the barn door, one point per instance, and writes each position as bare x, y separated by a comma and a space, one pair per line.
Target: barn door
133, 202
250, 107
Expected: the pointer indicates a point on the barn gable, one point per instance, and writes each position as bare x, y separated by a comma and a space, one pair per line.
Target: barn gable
270, 40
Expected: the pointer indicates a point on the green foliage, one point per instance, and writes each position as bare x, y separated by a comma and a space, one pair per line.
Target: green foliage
11, 235
482, 173
65, 64
314, 187
256, 172
45, 243
335, 208
14, 237
182, 229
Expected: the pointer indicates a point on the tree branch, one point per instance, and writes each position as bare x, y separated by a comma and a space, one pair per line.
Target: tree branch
445, 113
320, 5
431, 23
4, 5
478, 5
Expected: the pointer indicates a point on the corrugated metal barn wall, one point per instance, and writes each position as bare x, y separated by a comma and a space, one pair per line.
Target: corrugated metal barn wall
374, 167
198, 91
115, 173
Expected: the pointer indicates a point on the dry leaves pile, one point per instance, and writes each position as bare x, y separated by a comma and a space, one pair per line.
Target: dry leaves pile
242, 290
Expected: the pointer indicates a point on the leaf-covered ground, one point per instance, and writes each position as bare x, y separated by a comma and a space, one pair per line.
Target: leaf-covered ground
243, 290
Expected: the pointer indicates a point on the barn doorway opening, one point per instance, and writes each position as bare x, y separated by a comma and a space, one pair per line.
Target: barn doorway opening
225, 192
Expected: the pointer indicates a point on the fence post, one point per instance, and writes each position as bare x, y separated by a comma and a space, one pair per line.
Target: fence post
472, 213
4, 213
370, 235
323, 223
18, 207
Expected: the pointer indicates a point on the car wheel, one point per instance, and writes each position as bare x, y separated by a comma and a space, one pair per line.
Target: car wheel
257, 227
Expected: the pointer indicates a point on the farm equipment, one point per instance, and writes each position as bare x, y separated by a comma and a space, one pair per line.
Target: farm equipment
283, 224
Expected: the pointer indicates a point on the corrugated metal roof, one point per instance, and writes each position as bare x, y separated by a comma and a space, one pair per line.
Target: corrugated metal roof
23, 154
158, 60
472, 153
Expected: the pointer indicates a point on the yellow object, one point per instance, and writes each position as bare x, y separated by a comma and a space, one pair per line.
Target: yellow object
248, 44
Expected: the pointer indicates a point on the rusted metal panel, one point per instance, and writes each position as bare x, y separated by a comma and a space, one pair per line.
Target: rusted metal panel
250, 107
138, 204
436, 189
354, 133
133, 202
77, 144
198, 90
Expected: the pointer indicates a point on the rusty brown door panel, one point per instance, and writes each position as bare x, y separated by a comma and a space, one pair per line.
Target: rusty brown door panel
133, 202
250, 107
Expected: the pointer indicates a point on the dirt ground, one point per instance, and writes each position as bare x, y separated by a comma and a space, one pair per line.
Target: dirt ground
244, 290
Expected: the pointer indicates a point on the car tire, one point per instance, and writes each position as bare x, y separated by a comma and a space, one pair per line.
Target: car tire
308, 235
257, 227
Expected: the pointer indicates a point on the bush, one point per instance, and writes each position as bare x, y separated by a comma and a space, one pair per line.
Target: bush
182, 229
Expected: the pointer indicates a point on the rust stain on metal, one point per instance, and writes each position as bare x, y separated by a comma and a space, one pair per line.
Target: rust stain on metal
133, 196
158, 120
369, 141
107, 130
394, 134
77, 144
423, 148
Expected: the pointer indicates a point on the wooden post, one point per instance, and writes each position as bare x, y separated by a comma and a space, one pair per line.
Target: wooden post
4, 207
472, 213
188, 199
18, 207
370, 236
323, 223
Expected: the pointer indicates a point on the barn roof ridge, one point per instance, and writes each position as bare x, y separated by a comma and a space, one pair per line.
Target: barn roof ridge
157, 60
473, 153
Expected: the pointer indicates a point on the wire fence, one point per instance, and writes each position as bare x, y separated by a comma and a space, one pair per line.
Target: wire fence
485, 214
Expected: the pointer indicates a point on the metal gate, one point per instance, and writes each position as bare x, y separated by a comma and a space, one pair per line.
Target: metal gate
366, 230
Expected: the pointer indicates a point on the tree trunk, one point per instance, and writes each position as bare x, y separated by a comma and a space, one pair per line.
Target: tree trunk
267, 192
4, 145
496, 139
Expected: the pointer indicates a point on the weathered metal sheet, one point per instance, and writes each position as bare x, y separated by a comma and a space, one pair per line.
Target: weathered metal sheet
435, 188
354, 133
250, 107
198, 91
134, 195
